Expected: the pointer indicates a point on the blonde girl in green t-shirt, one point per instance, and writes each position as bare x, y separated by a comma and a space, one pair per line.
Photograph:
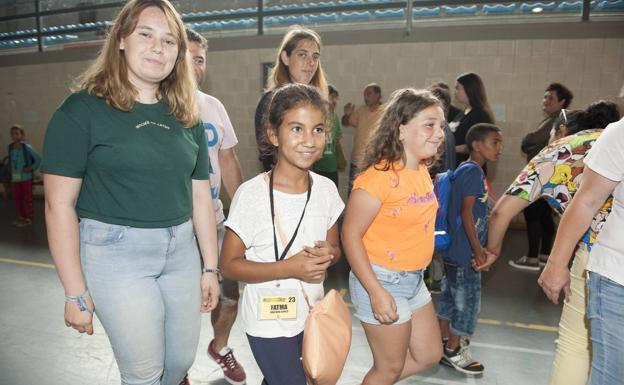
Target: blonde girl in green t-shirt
128, 198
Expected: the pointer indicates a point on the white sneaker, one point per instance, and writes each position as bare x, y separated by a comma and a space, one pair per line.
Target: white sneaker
461, 360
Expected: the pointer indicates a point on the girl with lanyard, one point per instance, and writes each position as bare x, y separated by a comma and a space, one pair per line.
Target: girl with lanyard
282, 235
127, 191
388, 237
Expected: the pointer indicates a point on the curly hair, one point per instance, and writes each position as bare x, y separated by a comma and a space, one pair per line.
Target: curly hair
107, 76
284, 99
597, 115
384, 145
563, 93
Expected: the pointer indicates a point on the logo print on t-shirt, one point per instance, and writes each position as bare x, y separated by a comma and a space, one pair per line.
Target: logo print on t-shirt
149, 122
212, 134
212, 139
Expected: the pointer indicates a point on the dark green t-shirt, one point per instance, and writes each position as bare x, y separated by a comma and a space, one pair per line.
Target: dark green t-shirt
136, 167
329, 163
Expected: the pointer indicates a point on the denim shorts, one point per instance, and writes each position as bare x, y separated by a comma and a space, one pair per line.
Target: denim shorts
407, 287
460, 301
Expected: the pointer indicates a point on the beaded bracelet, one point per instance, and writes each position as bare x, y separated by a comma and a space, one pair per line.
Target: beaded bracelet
80, 300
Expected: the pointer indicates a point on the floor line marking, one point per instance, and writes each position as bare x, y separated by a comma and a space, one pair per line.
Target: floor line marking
512, 348
343, 292
27, 263
545, 328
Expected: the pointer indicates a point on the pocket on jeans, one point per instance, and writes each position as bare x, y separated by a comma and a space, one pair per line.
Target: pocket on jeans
102, 234
385, 276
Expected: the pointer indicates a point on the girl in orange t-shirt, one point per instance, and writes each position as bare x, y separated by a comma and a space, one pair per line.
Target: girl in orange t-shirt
388, 237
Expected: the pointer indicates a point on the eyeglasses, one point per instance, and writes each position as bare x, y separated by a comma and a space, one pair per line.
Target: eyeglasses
564, 116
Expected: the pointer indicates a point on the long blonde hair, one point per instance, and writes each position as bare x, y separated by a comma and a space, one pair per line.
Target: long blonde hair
279, 74
384, 146
107, 76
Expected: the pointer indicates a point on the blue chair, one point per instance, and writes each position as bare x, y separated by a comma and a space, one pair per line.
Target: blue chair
272, 20
389, 13
238, 24
498, 9
529, 7
324, 4
426, 12
355, 16
294, 19
323, 18
461, 10
296, 6
574, 6
617, 5
245, 10
214, 26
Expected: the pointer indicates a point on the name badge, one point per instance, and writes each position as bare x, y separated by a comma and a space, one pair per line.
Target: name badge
281, 306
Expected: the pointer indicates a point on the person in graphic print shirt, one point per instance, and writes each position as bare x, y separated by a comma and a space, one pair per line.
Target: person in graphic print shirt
123, 223
388, 237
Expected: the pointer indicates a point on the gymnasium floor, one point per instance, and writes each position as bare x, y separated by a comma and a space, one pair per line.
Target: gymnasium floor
514, 338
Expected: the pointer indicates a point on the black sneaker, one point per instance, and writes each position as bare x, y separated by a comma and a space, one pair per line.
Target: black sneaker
460, 360
435, 287
523, 263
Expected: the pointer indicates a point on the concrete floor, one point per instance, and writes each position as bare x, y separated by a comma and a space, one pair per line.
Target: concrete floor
514, 338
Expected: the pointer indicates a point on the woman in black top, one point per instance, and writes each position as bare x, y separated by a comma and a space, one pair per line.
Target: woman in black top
469, 92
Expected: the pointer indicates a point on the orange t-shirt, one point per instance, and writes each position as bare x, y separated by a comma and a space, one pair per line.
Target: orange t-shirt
401, 237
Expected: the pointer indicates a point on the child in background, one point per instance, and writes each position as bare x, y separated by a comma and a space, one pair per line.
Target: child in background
282, 235
328, 164
23, 161
388, 237
461, 286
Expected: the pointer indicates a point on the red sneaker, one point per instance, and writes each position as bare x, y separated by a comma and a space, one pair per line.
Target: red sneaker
232, 370
185, 381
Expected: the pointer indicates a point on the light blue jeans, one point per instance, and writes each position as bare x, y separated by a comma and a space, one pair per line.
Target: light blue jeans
606, 315
145, 288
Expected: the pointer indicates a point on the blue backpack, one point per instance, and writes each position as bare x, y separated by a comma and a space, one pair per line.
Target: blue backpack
444, 225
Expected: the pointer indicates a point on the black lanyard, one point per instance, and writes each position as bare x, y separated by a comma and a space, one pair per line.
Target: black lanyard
279, 258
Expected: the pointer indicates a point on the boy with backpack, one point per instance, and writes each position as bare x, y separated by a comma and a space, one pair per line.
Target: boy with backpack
467, 216
23, 161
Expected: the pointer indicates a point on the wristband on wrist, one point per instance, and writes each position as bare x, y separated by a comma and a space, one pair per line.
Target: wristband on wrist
207, 270
80, 301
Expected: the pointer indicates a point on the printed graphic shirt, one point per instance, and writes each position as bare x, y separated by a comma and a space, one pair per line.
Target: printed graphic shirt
555, 174
220, 135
